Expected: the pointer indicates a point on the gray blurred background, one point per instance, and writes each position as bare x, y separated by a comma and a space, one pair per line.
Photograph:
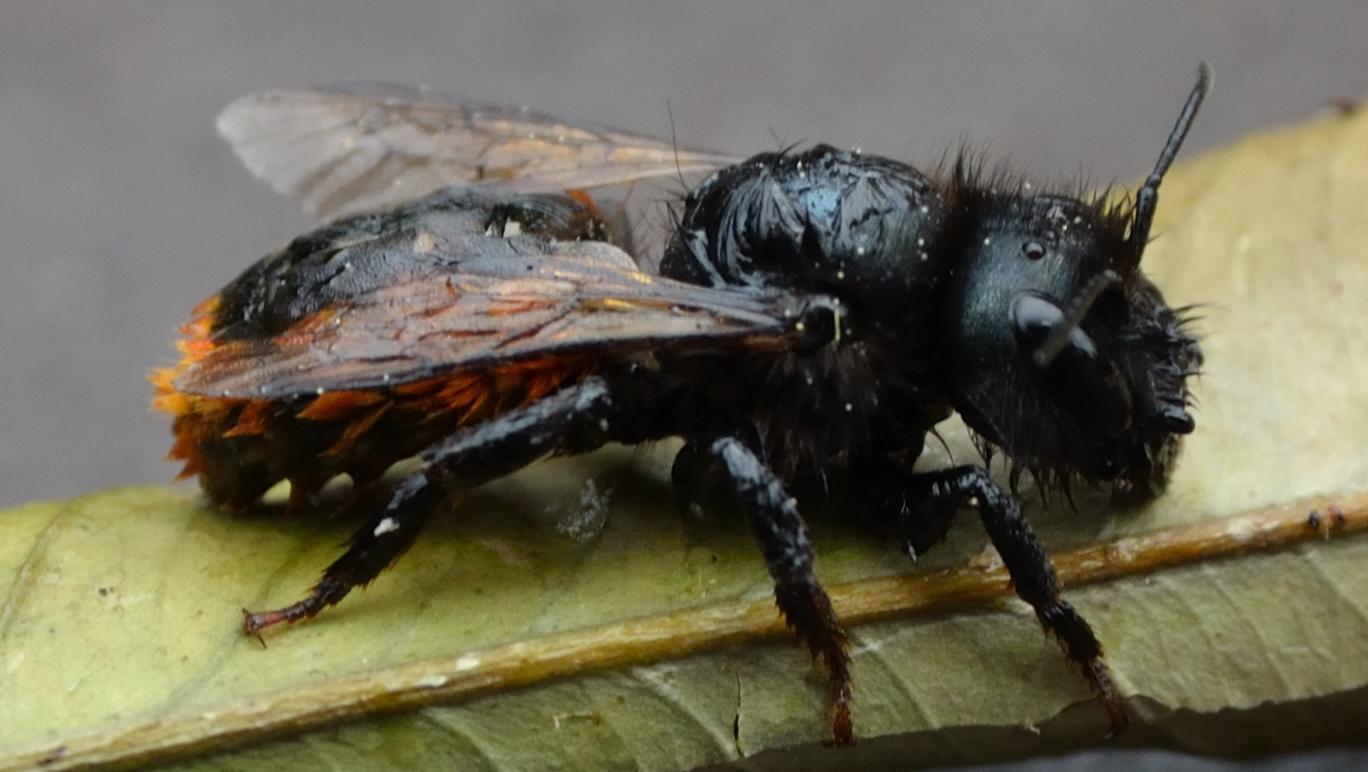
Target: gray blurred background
120, 208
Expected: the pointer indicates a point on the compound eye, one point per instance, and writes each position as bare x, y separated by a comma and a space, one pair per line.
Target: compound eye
1033, 317
1080, 379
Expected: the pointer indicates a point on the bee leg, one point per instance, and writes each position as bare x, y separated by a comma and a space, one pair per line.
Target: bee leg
692, 476
1032, 575
373, 547
923, 526
783, 538
922, 519
574, 419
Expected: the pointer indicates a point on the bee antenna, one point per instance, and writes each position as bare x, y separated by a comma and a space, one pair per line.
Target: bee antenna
1050, 347
1147, 199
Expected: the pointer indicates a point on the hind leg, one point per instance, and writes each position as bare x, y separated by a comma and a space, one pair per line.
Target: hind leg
572, 420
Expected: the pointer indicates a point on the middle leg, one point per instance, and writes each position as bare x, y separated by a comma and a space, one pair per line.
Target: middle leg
783, 538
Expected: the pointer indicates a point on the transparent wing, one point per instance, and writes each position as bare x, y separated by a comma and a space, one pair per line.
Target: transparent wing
353, 148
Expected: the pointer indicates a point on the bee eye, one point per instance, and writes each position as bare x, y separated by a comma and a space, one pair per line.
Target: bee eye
1081, 378
1033, 317
1033, 250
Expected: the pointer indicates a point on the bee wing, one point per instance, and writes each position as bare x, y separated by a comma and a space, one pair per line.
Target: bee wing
352, 148
489, 308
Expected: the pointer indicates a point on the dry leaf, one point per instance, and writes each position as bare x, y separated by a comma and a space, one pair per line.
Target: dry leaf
119, 636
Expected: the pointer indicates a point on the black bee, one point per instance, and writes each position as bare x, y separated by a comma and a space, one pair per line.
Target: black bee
813, 309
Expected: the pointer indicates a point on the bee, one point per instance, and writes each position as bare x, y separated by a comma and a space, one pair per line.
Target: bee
472, 304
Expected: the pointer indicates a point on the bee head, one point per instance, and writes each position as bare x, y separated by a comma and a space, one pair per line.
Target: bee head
1060, 351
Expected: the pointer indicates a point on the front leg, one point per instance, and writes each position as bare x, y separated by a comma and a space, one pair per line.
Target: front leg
784, 541
909, 500
924, 504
